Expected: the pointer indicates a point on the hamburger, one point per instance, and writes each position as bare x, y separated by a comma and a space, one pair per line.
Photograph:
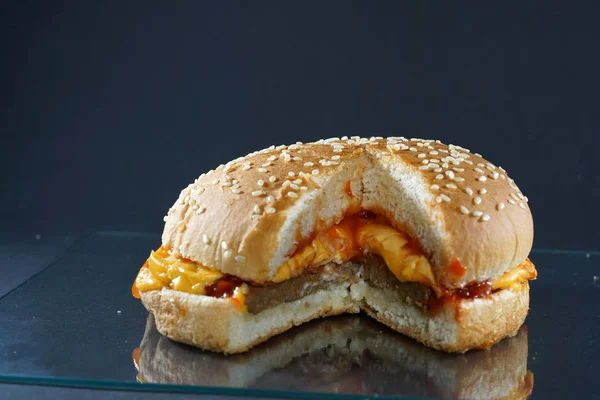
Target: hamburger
346, 354
429, 239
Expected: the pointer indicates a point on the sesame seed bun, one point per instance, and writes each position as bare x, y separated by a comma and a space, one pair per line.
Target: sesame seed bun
249, 216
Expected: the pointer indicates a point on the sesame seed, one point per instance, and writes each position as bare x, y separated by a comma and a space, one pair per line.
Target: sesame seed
413, 149
477, 200
337, 150
526, 199
483, 191
459, 178
335, 157
200, 210
246, 167
286, 183
272, 158
256, 209
485, 217
315, 172
478, 170
434, 153
205, 239
445, 198
464, 210
514, 196
477, 214
270, 210
439, 176
270, 199
482, 178
227, 253
522, 205
438, 170
422, 155
292, 174
292, 194
445, 165
255, 216
308, 164
451, 186
425, 162
438, 199
297, 158
511, 201
520, 196
500, 206
262, 170
236, 190
423, 167
260, 182
267, 164
480, 164
165, 218
450, 174
224, 245
192, 202
293, 186
434, 187
298, 181
458, 169
469, 191
257, 193
240, 259
272, 178
304, 188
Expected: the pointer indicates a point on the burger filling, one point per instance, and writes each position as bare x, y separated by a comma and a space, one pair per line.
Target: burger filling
360, 248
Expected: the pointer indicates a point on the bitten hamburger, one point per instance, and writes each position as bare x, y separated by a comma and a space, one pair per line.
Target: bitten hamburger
429, 239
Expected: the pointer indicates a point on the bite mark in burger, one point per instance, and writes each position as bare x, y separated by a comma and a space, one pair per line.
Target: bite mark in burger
429, 239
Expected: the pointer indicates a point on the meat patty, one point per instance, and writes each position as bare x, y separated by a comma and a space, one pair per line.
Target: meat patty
371, 269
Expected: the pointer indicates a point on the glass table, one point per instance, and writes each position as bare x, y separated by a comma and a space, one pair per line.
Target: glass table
76, 324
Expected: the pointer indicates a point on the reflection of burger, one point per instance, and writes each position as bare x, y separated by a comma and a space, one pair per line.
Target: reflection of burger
348, 354
429, 239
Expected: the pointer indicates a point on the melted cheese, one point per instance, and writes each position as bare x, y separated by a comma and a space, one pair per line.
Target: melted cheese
167, 270
351, 237
511, 278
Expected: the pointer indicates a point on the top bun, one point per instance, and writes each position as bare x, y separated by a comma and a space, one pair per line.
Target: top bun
250, 215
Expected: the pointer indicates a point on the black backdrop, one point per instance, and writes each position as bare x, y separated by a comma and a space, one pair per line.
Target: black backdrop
110, 108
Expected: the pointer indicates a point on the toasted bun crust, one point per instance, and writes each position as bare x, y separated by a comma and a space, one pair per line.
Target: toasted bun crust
247, 217
217, 324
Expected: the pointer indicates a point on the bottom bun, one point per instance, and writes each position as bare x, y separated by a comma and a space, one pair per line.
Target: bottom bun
219, 325
325, 356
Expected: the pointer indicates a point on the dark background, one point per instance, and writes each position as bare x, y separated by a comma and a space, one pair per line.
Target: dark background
110, 108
